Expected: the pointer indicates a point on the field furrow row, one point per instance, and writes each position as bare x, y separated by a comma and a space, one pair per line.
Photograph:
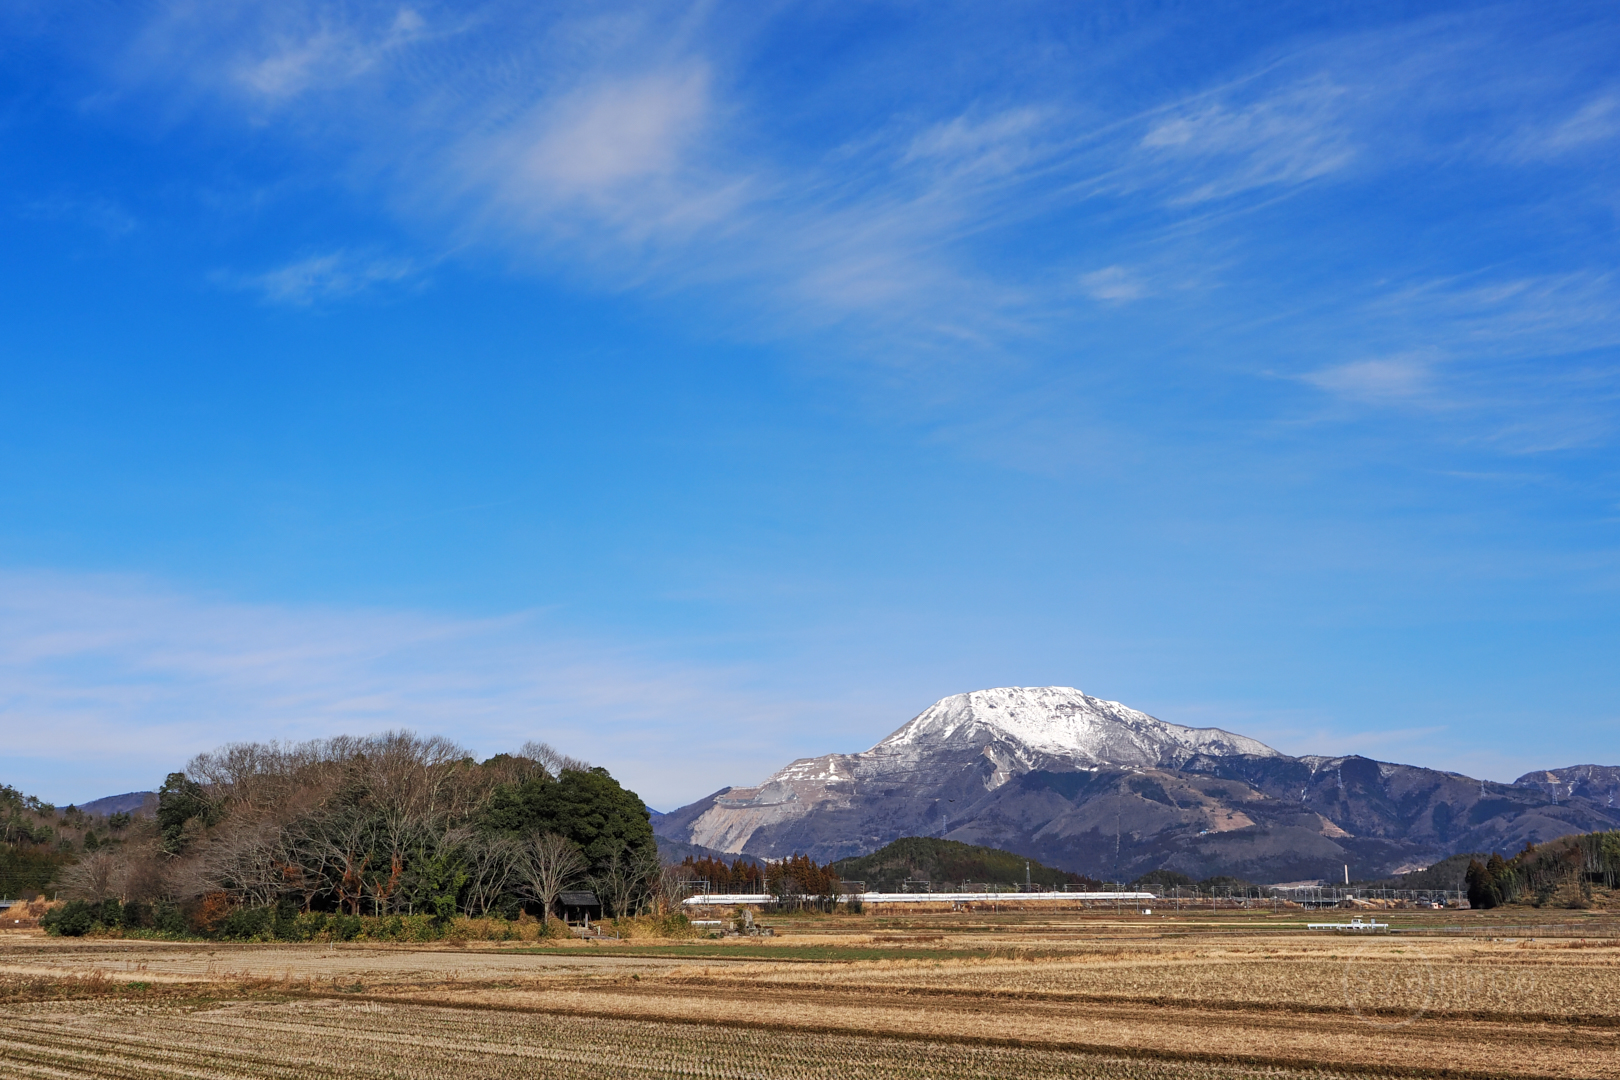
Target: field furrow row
313, 1039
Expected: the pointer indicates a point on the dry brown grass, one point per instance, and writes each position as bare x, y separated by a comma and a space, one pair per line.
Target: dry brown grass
25, 914
360, 1039
1523, 979
1205, 999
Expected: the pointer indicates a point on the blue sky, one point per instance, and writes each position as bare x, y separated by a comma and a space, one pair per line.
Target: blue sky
699, 387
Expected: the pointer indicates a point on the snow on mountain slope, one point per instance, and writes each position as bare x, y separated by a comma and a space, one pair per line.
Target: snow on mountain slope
1062, 723
976, 740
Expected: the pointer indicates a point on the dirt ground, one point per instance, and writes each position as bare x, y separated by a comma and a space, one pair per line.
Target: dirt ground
1458, 994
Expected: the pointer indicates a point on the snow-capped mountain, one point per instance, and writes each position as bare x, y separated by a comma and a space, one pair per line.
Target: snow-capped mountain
1101, 788
1051, 724
958, 748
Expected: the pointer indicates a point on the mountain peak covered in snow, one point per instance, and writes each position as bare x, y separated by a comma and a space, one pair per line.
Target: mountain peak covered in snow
1061, 723
971, 744
1096, 787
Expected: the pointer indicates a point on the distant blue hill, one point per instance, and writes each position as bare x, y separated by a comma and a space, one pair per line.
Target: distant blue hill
131, 802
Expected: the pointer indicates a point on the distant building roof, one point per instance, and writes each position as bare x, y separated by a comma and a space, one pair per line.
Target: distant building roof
580, 898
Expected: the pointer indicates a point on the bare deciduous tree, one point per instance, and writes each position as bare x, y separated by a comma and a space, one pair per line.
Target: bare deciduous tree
548, 864
552, 760
95, 877
244, 858
491, 867
346, 848
669, 889
397, 771
621, 881
374, 824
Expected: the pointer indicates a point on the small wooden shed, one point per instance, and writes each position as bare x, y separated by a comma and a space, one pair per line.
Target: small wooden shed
579, 904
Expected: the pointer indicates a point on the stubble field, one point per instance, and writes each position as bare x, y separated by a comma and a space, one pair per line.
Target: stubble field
1069, 996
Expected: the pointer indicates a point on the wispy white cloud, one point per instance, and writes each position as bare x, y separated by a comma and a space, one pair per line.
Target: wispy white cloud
1594, 123
1113, 284
1384, 380
269, 55
1574, 310
621, 157
334, 275
1513, 362
297, 58
1287, 138
103, 215
623, 146
117, 681
1000, 142
616, 132
610, 136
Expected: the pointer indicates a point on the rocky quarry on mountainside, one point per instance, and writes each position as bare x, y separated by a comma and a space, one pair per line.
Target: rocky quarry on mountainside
1094, 787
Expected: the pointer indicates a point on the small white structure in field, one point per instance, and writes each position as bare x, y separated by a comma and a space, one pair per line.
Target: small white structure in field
1354, 926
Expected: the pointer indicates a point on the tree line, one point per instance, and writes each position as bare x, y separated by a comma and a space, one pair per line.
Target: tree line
1561, 871
383, 825
797, 880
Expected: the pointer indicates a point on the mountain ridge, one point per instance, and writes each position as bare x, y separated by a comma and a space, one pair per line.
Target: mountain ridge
130, 802
1095, 787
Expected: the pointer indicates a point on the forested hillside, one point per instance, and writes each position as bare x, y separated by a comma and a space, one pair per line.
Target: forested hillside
926, 858
37, 840
1567, 872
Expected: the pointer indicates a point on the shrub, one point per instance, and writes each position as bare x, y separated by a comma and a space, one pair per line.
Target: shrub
76, 918
248, 924
210, 913
168, 918
109, 913
673, 925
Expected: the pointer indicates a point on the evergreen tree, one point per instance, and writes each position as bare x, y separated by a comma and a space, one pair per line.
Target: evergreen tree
587, 806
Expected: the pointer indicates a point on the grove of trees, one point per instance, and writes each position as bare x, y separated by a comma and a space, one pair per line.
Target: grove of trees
795, 881
1561, 871
37, 841
390, 824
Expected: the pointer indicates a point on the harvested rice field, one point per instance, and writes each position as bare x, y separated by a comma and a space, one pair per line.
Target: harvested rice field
840, 996
350, 1039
